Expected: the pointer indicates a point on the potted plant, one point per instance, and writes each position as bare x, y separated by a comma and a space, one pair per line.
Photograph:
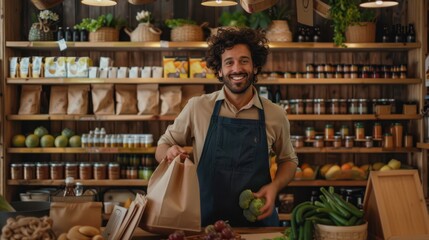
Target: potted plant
185, 30
41, 30
234, 19
145, 31
104, 28
278, 30
351, 23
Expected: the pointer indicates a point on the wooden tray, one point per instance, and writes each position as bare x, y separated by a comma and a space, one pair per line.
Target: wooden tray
395, 207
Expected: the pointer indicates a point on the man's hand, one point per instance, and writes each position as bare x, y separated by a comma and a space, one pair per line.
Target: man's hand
175, 151
269, 192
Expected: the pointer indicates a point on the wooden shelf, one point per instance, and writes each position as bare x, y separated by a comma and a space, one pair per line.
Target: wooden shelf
262, 81
423, 145
285, 216
291, 117
201, 45
354, 150
115, 183
70, 150
140, 182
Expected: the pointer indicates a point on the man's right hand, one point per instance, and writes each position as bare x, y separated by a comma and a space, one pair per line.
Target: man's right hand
174, 151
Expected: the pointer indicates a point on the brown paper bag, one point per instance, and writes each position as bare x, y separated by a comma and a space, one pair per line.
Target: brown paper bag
173, 198
102, 99
68, 214
30, 99
58, 101
126, 99
78, 99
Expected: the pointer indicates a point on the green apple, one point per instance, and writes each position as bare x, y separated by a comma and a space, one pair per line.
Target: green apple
394, 164
385, 168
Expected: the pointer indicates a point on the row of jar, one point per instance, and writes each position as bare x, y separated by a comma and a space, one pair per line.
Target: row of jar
83, 171
388, 141
341, 106
117, 140
331, 68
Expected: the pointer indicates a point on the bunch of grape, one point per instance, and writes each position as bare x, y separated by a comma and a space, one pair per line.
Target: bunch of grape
177, 235
218, 231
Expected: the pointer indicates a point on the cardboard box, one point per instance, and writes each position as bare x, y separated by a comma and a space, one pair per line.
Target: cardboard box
383, 109
199, 69
176, 67
409, 109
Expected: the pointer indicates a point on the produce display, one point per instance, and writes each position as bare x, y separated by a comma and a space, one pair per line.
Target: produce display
306, 172
218, 231
344, 171
251, 205
41, 138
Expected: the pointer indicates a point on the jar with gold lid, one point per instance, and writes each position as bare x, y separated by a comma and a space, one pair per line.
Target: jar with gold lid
29, 171
349, 142
100, 170
114, 171
16, 171
337, 141
85, 170
57, 171
318, 142
42, 171
319, 106
72, 170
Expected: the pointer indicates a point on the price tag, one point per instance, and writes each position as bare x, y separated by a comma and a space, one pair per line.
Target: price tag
62, 44
164, 44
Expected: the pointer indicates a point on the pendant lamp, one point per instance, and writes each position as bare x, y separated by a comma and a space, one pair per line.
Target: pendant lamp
218, 3
99, 3
378, 4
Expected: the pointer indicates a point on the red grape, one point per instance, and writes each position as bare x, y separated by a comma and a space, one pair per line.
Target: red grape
177, 235
219, 225
227, 233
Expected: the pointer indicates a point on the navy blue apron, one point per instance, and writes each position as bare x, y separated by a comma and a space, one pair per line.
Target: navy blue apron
234, 158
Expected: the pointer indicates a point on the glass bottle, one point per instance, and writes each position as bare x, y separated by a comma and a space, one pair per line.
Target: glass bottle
398, 134
349, 142
60, 33
76, 35
344, 131
359, 131
329, 131
70, 187
386, 35
316, 36
84, 35
411, 35
68, 34
388, 141
377, 134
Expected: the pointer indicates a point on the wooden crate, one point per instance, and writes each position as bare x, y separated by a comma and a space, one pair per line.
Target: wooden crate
395, 206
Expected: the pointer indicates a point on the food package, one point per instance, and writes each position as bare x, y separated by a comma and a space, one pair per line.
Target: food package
176, 67
78, 66
55, 67
134, 72
24, 67
199, 69
13, 67
37, 67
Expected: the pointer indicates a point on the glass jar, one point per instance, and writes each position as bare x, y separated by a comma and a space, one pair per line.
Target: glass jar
147, 140
388, 141
57, 171
29, 171
114, 171
337, 141
376, 133
398, 134
71, 170
309, 75
353, 106
349, 142
16, 171
299, 141
309, 106
309, 67
319, 106
318, 142
147, 172
133, 172
359, 131
344, 131
100, 171
299, 106
310, 133
107, 141
392, 103
335, 106
343, 106
85, 170
148, 160
369, 143
362, 106
42, 171
329, 131
84, 140
339, 75
292, 106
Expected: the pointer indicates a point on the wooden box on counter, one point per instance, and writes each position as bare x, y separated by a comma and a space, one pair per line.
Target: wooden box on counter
395, 207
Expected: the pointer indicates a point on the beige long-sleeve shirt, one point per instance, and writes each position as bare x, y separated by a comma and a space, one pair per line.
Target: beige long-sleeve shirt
190, 127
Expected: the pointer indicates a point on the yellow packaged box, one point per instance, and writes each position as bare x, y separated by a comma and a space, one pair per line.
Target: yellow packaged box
199, 69
55, 67
78, 66
176, 67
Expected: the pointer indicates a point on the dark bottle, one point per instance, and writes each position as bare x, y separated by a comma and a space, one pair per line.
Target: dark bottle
411, 35
68, 35
308, 35
301, 34
76, 35
60, 33
386, 36
83, 35
398, 34
316, 36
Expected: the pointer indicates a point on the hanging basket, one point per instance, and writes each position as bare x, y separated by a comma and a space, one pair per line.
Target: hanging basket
45, 4
144, 33
361, 33
104, 34
139, 2
278, 31
188, 33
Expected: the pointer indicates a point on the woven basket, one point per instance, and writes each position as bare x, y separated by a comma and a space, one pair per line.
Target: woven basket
188, 33
104, 34
325, 232
45, 4
361, 33
278, 31
138, 2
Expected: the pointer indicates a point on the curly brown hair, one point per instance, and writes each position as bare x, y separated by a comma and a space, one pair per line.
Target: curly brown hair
226, 38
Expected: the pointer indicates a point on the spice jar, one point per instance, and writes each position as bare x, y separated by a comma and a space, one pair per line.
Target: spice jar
335, 106
329, 131
84, 140
388, 141
343, 106
376, 133
147, 140
85, 170
369, 142
310, 133
42, 171
71, 170
344, 131
309, 106
29, 171
349, 142
353, 106
337, 141
16, 171
362, 106
114, 171
299, 106
100, 171
359, 131
318, 142
57, 171
319, 106
299, 141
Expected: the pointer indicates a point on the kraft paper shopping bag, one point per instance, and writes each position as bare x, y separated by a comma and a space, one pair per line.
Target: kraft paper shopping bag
173, 198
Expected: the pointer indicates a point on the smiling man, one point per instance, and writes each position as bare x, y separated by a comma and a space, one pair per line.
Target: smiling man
232, 132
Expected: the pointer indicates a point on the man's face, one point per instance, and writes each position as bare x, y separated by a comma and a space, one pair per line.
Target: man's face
237, 69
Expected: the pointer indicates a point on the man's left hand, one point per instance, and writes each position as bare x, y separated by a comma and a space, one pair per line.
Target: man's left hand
269, 192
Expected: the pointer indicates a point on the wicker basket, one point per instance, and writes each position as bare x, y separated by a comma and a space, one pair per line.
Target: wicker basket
104, 34
361, 33
138, 2
188, 33
45, 4
326, 232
